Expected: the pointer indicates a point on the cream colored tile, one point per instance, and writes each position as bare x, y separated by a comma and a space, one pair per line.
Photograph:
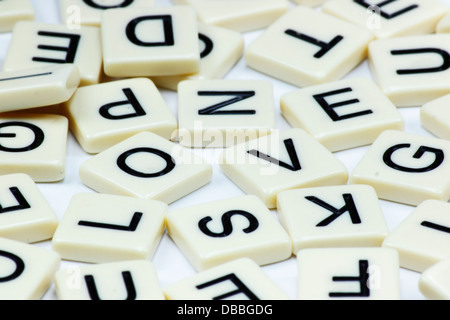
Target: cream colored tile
306, 47
25, 214
240, 279
412, 70
27, 270
150, 41
309, 3
443, 26
343, 114
348, 274
220, 50
146, 166
13, 11
222, 113
103, 115
281, 161
36, 44
434, 282
216, 232
34, 144
100, 228
338, 216
76, 13
37, 87
125, 280
241, 16
422, 238
388, 19
434, 117
406, 168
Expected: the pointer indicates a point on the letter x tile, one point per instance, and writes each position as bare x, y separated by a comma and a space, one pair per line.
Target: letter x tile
281, 161
35, 44
216, 232
306, 47
342, 114
388, 19
105, 114
423, 238
34, 144
240, 279
104, 228
146, 166
124, 280
414, 70
406, 168
338, 216
27, 271
25, 214
348, 274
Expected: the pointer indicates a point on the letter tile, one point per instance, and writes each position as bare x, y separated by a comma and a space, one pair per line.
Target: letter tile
343, 114
37, 87
105, 114
36, 44
34, 144
105, 228
281, 161
76, 13
241, 16
339, 216
13, 11
26, 270
306, 47
434, 116
413, 70
124, 280
146, 166
348, 274
216, 232
150, 41
25, 214
222, 113
389, 19
220, 50
434, 282
423, 238
406, 168
240, 279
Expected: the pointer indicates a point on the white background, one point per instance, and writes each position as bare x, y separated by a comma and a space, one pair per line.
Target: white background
169, 261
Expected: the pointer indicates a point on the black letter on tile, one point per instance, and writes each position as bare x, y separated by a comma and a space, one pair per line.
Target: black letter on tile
324, 46
227, 226
239, 96
20, 266
439, 158
241, 287
121, 162
444, 66
71, 50
168, 31
209, 45
131, 99
22, 202
362, 279
385, 14
349, 206
329, 108
127, 279
38, 136
435, 226
289, 144
131, 227
93, 4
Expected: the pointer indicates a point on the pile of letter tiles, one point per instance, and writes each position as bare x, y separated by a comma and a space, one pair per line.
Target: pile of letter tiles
224, 149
